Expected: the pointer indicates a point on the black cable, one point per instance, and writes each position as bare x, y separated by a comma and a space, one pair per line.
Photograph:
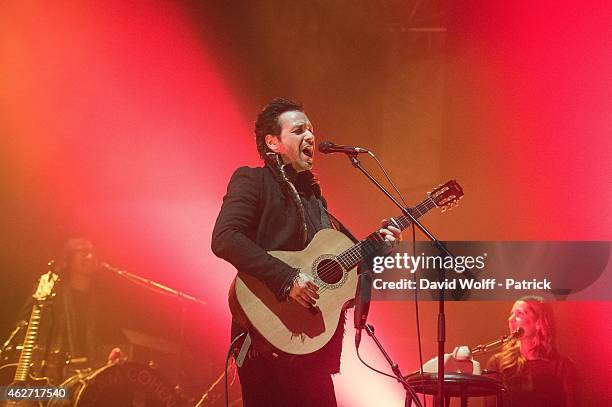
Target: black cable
227, 358
416, 308
371, 154
373, 368
416, 289
412, 393
408, 388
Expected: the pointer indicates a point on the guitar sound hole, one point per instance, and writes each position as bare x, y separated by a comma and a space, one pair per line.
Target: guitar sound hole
329, 271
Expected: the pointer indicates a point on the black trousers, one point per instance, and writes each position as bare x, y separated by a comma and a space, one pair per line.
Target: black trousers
274, 382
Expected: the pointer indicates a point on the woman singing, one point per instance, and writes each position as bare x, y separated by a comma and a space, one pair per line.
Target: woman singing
530, 366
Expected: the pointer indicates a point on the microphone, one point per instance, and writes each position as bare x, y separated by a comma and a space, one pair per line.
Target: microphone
362, 304
327, 147
517, 333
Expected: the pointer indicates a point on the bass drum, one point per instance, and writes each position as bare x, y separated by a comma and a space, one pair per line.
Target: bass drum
126, 384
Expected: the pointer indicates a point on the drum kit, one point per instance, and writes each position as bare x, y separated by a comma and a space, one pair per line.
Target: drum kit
120, 384
27, 361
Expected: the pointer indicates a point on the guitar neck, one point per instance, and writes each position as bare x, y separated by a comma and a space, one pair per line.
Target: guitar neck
25, 359
376, 241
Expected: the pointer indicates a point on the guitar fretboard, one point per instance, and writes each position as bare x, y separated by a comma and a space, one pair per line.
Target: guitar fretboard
25, 359
375, 241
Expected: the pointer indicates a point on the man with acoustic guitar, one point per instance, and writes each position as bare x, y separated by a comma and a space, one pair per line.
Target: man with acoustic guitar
279, 207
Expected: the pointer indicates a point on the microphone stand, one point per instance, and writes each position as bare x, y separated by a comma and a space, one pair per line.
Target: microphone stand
394, 366
155, 286
19, 327
440, 246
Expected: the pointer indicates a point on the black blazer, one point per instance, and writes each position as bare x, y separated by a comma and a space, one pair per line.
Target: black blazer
258, 216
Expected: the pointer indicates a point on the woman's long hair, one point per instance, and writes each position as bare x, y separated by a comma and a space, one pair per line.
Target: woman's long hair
512, 362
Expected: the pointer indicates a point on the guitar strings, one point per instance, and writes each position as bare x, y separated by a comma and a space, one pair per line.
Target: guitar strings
366, 245
328, 270
422, 208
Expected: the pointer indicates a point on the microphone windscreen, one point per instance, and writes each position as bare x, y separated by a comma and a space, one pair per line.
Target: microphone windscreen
324, 146
362, 299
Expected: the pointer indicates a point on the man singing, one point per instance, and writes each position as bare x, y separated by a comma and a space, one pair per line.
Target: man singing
280, 207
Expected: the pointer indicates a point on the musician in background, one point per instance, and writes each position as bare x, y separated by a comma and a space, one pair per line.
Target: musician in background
76, 313
530, 366
70, 336
279, 206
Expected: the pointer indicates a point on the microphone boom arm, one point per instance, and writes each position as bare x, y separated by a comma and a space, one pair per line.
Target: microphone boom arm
151, 284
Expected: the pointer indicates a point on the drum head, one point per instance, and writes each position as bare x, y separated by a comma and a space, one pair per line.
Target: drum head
126, 385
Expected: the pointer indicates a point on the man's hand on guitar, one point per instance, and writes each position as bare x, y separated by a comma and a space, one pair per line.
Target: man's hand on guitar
390, 233
304, 291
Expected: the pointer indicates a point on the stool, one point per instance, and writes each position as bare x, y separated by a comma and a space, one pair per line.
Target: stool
456, 385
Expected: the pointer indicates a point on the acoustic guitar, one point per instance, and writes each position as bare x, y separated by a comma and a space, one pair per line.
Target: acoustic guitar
331, 260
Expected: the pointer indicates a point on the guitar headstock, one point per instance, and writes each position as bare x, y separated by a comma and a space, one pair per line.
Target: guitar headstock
46, 284
447, 196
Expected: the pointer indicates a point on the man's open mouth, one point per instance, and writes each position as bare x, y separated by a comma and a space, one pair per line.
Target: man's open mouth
308, 151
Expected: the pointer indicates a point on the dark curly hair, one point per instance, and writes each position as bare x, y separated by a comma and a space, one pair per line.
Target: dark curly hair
267, 121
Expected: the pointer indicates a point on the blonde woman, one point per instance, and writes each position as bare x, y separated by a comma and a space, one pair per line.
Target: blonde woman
530, 366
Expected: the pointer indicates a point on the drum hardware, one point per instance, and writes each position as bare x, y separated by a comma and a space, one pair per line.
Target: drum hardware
10, 353
76, 361
120, 384
116, 355
189, 401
